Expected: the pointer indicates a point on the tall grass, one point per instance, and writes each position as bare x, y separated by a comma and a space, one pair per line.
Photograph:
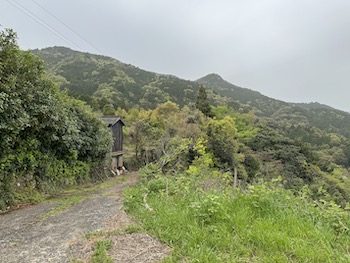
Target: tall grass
219, 224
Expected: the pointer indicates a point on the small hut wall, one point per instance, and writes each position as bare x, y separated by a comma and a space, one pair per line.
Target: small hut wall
117, 133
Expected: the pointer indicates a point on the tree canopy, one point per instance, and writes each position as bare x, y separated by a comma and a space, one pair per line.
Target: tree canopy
46, 136
202, 102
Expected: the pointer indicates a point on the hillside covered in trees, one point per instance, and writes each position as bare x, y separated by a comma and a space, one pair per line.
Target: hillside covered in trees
106, 84
207, 151
261, 137
305, 143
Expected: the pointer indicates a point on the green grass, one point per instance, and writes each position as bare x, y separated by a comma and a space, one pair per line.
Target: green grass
263, 224
100, 254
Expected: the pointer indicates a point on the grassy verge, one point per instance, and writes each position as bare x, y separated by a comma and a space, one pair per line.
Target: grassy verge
218, 224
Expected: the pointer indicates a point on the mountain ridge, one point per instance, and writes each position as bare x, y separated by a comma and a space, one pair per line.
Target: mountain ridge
210, 78
211, 75
303, 142
107, 84
311, 114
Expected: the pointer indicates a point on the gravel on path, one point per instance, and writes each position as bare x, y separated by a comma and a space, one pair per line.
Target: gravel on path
27, 235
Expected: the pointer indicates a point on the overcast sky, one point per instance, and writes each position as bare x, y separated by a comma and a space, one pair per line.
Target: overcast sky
293, 50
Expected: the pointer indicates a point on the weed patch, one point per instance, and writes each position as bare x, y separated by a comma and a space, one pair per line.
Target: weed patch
264, 223
100, 255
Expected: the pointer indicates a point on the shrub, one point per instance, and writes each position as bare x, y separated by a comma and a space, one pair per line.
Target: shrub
45, 134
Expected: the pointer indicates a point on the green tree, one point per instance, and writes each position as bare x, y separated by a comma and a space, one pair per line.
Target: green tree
202, 102
143, 135
222, 139
46, 136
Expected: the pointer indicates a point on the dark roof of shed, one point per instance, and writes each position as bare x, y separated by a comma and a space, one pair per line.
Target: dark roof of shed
111, 120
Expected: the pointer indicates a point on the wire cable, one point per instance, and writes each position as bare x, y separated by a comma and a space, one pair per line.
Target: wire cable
48, 27
68, 27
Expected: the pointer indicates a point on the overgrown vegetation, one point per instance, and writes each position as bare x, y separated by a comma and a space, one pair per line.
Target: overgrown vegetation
305, 143
204, 219
48, 139
240, 142
231, 175
282, 209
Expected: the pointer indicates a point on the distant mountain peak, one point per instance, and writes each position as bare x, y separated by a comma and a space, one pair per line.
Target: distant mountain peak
212, 77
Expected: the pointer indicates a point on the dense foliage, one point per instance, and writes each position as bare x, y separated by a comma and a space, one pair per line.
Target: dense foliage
187, 197
107, 84
202, 102
241, 142
204, 219
211, 155
101, 80
47, 138
305, 143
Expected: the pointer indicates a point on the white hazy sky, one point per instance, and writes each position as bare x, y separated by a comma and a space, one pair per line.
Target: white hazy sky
293, 50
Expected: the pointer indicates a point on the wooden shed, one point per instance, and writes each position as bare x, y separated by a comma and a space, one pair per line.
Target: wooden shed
116, 124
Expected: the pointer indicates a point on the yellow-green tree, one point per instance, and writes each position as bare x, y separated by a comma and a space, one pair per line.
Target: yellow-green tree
222, 140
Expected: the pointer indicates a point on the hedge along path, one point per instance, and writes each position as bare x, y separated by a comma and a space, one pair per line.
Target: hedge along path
67, 229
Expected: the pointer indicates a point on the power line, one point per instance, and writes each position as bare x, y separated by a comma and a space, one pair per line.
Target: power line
68, 27
33, 16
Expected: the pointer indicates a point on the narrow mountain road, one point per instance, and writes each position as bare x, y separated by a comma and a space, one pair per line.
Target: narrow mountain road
59, 231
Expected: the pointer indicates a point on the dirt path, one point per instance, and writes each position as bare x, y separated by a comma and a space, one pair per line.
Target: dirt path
49, 232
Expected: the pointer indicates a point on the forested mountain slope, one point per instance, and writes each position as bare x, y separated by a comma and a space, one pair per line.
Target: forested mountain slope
305, 143
263, 105
216, 155
103, 80
108, 83
309, 114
